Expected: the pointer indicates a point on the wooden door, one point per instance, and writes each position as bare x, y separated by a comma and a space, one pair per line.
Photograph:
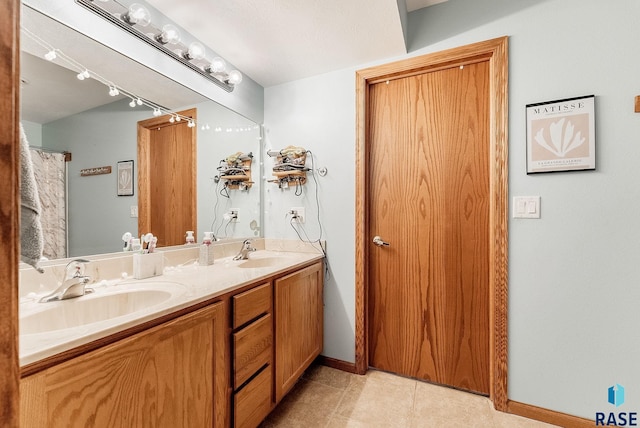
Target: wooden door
167, 179
429, 198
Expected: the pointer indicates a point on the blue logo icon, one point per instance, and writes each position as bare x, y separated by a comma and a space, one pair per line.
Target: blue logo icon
616, 395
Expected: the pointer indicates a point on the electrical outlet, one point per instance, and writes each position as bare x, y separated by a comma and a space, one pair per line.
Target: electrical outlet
134, 211
233, 213
299, 213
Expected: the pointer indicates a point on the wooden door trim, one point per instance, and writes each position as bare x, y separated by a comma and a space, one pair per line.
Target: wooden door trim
9, 209
495, 52
144, 189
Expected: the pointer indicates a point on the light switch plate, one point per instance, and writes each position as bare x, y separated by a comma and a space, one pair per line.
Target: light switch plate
526, 207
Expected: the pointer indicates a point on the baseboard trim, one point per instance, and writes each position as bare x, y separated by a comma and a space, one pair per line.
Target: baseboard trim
513, 407
549, 416
337, 364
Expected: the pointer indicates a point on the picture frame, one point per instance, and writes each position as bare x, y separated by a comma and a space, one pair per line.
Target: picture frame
561, 135
125, 178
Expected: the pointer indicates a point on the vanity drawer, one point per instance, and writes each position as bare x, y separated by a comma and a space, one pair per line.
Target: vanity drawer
252, 349
251, 304
253, 403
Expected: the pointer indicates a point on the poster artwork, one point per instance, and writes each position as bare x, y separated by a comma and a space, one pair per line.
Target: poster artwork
561, 135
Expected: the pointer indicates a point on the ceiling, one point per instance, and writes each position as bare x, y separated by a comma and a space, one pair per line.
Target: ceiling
276, 41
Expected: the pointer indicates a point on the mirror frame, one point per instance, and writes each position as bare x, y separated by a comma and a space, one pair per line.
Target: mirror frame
9, 201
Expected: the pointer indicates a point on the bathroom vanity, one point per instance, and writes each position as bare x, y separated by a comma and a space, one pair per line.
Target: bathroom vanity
218, 356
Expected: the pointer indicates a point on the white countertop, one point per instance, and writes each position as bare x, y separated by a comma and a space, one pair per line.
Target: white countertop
185, 286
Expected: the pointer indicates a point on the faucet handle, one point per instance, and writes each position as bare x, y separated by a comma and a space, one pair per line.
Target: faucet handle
78, 266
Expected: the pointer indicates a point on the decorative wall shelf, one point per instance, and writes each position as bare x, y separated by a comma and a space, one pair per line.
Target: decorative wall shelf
235, 171
290, 167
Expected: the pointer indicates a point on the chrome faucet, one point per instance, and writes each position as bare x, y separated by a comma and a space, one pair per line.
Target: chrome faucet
245, 250
74, 284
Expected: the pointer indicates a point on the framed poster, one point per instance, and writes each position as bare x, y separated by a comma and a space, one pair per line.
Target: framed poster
125, 178
561, 135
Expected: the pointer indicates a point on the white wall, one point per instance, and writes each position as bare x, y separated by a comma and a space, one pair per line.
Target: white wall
318, 115
573, 274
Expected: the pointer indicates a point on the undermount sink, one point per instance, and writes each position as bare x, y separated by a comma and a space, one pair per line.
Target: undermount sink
89, 309
262, 262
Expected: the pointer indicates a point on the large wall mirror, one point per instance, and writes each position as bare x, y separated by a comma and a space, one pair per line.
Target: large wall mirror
86, 214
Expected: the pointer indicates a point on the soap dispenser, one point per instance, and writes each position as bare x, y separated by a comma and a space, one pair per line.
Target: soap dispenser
206, 250
190, 238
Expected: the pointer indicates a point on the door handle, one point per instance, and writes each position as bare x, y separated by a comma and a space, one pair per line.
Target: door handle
379, 242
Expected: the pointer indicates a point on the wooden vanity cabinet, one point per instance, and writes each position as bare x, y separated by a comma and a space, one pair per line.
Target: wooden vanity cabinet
252, 356
298, 311
172, 375
226, 364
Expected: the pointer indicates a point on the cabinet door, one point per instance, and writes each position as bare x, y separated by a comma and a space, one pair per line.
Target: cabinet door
298, 325
172, 375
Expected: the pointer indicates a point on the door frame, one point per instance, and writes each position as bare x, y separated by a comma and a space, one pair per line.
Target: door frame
10, 210
494, 51
145, 128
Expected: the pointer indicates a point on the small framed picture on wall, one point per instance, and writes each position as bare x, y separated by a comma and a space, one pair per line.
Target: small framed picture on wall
125, 178
561, 135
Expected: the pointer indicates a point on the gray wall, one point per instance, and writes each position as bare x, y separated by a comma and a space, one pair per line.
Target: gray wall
98, 137
33, 131
573, 274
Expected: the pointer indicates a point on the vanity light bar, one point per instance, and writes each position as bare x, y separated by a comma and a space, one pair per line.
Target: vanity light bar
115, 18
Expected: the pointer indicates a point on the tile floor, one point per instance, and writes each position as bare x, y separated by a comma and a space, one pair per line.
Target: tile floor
331, 398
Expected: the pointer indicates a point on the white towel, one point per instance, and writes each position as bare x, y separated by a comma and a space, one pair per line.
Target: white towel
31, 240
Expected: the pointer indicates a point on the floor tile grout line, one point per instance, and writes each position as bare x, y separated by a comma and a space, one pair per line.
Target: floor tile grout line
335, 410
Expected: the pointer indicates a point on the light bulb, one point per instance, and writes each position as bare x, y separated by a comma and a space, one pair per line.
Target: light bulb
235, 77
178, 118
132, 104
51, 55
113, 91
217, 65
137, 14
138, 101
172, 119
191, 123
170, 34
156, 112
80, 76
196, 51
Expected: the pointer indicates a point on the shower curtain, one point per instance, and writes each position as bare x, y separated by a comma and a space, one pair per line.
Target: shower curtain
50, 172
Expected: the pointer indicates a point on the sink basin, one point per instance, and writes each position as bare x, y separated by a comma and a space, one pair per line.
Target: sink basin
262, 262
90, 309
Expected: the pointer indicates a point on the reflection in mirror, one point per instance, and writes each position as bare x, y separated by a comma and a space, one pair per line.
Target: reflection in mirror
77, 119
